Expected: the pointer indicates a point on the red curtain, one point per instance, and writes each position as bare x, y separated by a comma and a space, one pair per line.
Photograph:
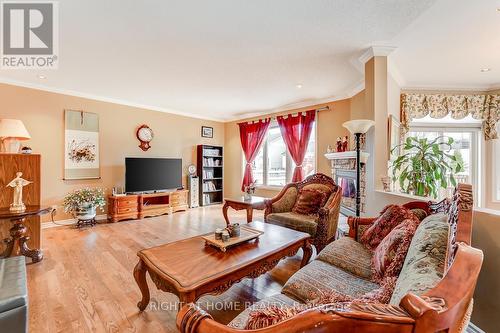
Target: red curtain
252, 136
296, 132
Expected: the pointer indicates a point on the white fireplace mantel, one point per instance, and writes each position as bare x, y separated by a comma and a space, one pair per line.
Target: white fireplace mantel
345, 155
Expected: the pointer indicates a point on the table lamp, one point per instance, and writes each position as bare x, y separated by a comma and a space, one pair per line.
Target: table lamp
358, 127
12, 131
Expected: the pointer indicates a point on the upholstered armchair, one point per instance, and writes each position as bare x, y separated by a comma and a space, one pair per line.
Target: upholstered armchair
310, 206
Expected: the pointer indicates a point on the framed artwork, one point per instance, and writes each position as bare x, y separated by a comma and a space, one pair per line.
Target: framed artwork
207, 132
81, 145
394, 135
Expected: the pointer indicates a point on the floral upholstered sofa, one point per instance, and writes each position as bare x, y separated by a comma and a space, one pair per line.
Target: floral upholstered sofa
432, 292
311, 206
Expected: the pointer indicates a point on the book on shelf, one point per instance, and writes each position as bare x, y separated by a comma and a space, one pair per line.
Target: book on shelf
209, 186
211, 152
210, 162
208, 174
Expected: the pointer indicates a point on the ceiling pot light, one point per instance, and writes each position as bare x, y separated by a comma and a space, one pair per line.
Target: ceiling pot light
42, 77
484, 70
299, 86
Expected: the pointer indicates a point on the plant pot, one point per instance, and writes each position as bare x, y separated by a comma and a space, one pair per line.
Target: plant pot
86, 212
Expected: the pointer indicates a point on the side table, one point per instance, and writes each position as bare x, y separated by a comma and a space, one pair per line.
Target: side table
240, 203
16, 245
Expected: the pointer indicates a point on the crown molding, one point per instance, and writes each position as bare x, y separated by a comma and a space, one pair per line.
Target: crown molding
376, 51
348, 93
106, 99
464, 88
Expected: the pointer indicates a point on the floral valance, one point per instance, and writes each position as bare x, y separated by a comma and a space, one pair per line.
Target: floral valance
483, 107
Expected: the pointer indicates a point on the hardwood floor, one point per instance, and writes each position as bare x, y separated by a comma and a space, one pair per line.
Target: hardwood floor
85, 282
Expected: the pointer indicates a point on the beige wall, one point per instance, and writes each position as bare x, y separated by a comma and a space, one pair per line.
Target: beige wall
329, 127
486, 236
43, 114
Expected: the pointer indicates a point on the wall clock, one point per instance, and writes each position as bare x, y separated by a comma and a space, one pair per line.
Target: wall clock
145, 135
192, 170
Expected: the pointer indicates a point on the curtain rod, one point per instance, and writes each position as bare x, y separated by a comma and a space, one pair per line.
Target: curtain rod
324, 108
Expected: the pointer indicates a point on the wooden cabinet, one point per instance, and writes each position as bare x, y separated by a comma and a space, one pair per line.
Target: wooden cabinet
29, 165
128, 207
179, 200
123, 207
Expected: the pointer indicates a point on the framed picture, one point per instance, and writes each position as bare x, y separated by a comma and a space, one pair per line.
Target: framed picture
81, 145
207, 132
394, 135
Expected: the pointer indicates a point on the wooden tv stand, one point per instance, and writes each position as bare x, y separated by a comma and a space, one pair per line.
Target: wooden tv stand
138, 206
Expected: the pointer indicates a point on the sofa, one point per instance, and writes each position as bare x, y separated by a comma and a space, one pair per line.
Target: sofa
13, 295
287, 208
432, 293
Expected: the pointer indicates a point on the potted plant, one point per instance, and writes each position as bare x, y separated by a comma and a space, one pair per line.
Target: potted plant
83, 203
426, 165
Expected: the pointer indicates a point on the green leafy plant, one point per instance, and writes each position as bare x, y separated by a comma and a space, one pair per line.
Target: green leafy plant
84, 198
426, 165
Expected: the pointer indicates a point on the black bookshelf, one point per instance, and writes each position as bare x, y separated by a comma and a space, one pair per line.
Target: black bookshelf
210, 161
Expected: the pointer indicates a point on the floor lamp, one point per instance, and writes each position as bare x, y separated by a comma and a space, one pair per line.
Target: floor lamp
358, 127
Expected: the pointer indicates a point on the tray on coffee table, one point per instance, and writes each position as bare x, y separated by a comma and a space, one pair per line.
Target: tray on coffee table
246, 234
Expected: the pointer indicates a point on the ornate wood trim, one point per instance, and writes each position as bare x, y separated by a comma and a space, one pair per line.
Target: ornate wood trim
436, 303
192, 319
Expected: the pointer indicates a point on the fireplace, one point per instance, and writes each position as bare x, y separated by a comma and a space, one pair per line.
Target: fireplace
347, 180
344, 173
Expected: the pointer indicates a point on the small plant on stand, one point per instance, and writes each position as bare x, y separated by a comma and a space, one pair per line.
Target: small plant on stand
83, 204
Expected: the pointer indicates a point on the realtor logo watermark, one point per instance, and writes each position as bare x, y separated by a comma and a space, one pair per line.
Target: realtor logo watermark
30, 38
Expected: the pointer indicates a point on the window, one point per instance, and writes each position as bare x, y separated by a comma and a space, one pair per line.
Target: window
274, 166
466, 146
496, 170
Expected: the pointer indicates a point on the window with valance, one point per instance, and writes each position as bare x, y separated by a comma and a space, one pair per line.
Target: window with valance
484, 107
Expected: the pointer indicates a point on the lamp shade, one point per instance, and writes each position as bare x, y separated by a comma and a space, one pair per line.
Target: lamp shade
358, 125
13, 129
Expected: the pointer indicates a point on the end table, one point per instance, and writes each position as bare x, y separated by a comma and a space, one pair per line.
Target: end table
16, 245
240, 203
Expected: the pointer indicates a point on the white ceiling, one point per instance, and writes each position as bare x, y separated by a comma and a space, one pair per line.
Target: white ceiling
447, 46
226, 59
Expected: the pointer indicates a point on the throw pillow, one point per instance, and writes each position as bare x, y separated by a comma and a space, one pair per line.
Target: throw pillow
309, 202
420, 213
390, 254
391, 216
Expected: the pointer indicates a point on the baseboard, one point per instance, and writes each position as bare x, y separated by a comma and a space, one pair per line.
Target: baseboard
61, 223
473, 329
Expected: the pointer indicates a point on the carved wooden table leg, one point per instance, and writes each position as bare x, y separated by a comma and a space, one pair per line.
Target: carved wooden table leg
9, 245
224, 212
140, 277
17, 245
35, 254
249, 214
307, 249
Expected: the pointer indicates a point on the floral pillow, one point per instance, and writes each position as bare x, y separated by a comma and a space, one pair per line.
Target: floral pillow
390, 217
309, 201
389, 256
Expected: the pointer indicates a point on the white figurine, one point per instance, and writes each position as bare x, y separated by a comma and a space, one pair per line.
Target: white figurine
17, 184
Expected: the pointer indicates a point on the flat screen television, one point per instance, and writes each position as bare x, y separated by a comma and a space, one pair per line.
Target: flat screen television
152, 174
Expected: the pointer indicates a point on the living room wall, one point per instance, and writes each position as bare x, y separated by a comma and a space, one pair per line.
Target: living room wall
43, 115
329, 127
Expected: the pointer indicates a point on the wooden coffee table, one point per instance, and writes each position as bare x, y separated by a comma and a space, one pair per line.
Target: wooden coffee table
189, 269
239, 203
